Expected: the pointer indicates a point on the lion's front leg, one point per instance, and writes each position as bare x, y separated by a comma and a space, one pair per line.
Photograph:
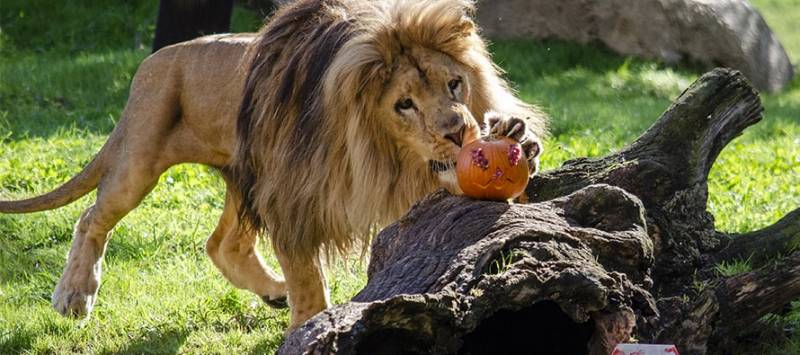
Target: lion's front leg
305, 281
77, 289
519, 130
233, 250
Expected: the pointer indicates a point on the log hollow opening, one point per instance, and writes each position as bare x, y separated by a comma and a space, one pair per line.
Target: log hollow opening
541, 328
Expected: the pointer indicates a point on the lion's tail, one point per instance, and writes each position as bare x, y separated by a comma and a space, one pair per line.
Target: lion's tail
80, 185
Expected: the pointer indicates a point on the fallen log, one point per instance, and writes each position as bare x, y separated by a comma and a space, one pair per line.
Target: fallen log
604, 250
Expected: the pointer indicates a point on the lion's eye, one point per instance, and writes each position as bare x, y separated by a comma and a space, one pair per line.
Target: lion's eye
454, 86
403, 105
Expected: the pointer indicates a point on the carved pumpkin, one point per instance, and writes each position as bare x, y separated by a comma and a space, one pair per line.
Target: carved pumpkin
492, 169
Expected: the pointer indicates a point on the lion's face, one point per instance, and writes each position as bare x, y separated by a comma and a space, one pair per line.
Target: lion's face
425, 104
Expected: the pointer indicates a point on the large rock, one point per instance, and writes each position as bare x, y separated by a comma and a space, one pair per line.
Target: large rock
729, 33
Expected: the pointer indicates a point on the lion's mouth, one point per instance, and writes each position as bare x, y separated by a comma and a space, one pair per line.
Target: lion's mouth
441, 166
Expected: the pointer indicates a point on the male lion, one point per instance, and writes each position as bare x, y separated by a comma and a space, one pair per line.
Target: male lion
333, 119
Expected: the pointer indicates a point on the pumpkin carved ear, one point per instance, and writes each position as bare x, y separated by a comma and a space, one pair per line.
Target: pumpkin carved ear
490, 169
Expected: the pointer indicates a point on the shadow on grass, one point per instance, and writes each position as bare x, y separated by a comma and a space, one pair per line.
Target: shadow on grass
16, 341
551, 57
268, 345
581, 86
49, 93
156, 342
65, 66
32, 253
588, 87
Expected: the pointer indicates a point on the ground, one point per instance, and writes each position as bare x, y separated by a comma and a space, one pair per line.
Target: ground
64, 78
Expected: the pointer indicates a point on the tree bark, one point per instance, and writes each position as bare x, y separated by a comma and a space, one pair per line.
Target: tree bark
744, 298
436, 280
607, 250
764, 245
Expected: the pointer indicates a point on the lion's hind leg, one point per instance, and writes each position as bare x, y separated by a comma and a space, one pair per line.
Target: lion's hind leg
120, 191
233, 250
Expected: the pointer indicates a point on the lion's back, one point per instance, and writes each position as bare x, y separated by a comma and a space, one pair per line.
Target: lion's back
196, 85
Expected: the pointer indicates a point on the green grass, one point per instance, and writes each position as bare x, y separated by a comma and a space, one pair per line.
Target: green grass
503, 261
64, 76
733, 267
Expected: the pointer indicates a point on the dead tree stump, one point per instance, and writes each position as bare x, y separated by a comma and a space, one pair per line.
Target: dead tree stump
606, 250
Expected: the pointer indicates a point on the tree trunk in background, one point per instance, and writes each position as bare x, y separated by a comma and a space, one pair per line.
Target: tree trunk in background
606, 250
263, 7
182, 20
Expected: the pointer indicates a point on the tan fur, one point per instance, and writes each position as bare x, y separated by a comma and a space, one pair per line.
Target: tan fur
303, 121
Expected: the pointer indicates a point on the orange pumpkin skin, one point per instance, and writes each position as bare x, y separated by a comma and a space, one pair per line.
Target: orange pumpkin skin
492, 169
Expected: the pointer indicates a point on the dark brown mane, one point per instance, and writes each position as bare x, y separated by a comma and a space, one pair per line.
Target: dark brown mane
296, 47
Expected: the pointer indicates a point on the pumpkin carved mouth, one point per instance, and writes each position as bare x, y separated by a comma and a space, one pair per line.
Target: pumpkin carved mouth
497, 181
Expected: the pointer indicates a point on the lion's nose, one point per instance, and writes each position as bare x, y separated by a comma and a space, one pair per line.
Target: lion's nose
454, 126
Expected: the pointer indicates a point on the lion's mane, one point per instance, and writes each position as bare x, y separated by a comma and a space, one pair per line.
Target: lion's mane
314, 166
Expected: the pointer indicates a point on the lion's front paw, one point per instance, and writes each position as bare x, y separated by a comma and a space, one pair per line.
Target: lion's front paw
279, 302
73, 302
518, 130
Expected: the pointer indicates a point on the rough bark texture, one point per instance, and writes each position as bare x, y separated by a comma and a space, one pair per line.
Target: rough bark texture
720, 32
606, 250
456, 270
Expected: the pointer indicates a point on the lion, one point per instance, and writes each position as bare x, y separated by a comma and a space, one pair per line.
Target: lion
329, 122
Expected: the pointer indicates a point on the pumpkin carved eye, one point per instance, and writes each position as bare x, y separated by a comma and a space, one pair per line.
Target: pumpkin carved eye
514, 155
478, 159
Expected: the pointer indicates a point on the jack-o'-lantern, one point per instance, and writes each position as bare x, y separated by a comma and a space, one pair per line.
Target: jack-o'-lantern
492, 169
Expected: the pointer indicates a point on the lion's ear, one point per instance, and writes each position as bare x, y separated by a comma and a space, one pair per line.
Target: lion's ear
464, 28
386, 42
354, 73
467, 26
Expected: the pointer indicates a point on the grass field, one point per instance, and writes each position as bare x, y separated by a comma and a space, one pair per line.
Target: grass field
64, 77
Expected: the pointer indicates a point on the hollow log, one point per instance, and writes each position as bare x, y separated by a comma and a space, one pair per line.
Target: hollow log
440, 282
607, 250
